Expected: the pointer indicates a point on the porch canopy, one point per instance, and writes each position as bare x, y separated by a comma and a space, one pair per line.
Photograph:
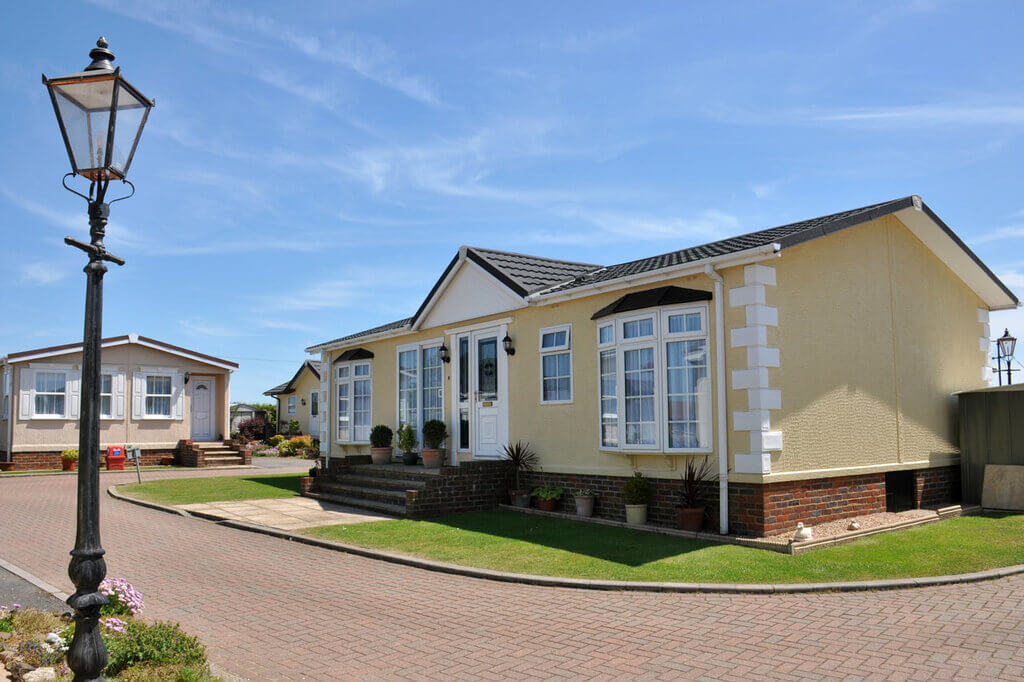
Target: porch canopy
652, 298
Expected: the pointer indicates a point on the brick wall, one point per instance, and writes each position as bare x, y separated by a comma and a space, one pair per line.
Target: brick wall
26, 461
470, 486
937, 487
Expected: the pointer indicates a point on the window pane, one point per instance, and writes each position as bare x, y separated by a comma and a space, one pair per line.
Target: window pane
554, 339
639, 394
688, 394
408, 388
51, 405
343, 372
487, 368
433, 382
50, 382
314, 404
361, 370
609, 403
549, 365
606, 334
686, 322
105, 410
464, 370
361, 409
106, 381
158, 406
344, 432
464, 429
638, 328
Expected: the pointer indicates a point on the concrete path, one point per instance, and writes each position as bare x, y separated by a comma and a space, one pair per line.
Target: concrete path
270, 609
287, 513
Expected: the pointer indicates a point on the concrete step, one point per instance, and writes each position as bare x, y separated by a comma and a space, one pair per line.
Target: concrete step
395, 497
381, 507
377, 482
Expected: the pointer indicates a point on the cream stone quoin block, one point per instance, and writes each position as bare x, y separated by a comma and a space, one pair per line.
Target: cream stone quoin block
761, 397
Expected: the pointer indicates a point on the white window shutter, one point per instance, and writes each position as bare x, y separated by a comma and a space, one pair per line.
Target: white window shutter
177, 397
25, 394
138, 395
73, 395
117, 386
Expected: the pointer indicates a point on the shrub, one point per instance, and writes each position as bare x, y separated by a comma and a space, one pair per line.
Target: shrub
434, 433
275, 441
293, 427
297, 446
156, 672
522, 458
380, 436
122, 598
69, 454
252, 429
407, 438
637, 490
548, 492
159, 643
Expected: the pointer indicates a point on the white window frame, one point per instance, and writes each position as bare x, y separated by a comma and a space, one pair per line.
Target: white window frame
561, 349
419, 348
146, 395
657, 340
291, 406
67, 393
6, 414
349, 380
113, 392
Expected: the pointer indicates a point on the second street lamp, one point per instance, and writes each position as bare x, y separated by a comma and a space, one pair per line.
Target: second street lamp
101, 117
1005, 345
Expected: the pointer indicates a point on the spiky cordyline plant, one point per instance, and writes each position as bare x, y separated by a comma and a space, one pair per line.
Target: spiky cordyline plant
522, 458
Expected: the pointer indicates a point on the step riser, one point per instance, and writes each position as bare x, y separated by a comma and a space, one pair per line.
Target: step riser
371, 494
377, 483
407, 474
378, 507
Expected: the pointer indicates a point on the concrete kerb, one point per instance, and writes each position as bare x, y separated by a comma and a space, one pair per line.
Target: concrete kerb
579, 583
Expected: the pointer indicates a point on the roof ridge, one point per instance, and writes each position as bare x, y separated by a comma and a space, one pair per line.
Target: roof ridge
530, 255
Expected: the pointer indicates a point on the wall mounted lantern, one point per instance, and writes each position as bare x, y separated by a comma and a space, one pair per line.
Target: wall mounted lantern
446, 355
506, 343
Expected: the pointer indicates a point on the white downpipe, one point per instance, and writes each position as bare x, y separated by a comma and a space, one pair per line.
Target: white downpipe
723, 446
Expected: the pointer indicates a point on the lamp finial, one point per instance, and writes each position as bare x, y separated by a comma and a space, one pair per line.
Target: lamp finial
101, 56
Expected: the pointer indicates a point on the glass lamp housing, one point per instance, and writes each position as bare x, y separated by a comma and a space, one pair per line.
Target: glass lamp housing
101, 117
1007, 344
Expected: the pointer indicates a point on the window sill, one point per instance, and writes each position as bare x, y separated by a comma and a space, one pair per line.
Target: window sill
653, 451
556, 402
156, 418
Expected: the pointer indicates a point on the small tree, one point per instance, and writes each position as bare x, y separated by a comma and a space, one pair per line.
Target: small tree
434, 433
293, 427
407, 438
252, 429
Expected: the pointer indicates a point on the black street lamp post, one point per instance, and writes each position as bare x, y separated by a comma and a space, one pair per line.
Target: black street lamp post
1005, 345
101, 118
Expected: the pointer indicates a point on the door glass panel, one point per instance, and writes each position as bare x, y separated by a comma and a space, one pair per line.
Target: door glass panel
463, 369
463, 428
487, 368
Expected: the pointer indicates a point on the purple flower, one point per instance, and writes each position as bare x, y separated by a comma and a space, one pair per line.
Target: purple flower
114, 625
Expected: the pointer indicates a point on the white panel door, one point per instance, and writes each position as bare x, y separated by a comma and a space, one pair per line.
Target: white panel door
202, 409
489, 407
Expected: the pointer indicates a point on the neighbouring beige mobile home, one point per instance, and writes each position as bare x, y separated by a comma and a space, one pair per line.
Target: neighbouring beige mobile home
152, 395
298, 399
814, 363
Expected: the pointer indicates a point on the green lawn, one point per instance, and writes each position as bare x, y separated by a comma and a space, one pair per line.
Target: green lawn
217, 488
521, 543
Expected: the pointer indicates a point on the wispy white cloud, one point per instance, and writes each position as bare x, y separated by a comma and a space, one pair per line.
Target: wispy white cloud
41, 273
360, 286
200, 328
1009, 232
615, 226
286, 325
1012, 278
766, 190
930, 114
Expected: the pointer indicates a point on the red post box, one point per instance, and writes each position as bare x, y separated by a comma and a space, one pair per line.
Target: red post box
115, 458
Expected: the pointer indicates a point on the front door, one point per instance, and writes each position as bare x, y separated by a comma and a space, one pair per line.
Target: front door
488, 389
314, 413
202, 409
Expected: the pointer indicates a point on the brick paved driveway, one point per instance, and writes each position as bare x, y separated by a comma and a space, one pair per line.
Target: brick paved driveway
271, 609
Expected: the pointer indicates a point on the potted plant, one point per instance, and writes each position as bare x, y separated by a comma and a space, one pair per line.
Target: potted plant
407, 442
68, 459
690, 510
585, 498
434, 434
636, 493
380, 444
521, 457
548, 496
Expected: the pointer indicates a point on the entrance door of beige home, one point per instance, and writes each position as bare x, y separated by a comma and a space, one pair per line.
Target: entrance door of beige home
202, 409
487, 395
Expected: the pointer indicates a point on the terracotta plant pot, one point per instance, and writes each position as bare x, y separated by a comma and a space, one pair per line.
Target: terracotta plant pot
690, 519
546, 505
381, 455
519, 498
585, 505
68, 464
167, 461
410, 458
6, 466
636, 514
432, 459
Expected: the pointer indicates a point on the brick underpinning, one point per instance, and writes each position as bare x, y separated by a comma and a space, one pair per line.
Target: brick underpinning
31, 461
937, 487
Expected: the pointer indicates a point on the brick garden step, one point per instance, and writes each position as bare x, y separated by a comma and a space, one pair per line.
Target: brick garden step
217, 461
344, 500
378, 482
395, 497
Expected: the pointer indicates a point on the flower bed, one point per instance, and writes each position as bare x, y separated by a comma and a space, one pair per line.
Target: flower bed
137, 650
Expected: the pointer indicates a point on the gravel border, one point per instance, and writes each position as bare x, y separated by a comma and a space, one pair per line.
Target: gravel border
579, 583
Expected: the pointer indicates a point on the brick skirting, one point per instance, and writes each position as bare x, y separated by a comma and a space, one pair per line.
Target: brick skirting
759, 509
28, 461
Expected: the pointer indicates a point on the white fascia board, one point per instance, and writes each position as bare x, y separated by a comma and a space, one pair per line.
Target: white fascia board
68, 351
955, 258
440, 289
696, 267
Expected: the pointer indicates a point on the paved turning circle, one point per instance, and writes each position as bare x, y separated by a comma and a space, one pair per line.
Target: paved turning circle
270, 609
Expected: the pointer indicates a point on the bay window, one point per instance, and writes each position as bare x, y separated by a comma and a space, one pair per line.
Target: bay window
654, 382
556, 364
354, 391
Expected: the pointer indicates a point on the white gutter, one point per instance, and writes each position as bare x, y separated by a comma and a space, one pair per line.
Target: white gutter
692, 268
723, 446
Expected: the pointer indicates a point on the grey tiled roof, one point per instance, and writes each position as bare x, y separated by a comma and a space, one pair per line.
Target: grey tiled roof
397, 324
532, 273
787, 235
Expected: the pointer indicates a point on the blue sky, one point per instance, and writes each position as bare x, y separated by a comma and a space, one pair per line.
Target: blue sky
310, 168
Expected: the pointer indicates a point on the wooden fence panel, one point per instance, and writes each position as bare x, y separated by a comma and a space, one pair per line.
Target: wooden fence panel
991, 432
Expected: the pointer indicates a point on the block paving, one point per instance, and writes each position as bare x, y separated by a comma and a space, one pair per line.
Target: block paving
270, 609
